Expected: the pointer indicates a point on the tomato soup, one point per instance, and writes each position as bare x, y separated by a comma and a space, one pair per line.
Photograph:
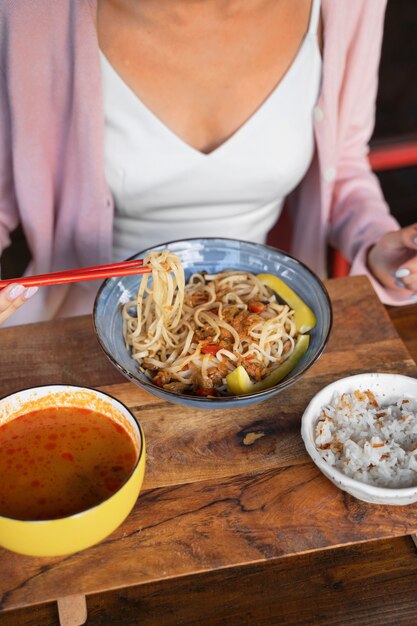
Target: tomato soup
59, 461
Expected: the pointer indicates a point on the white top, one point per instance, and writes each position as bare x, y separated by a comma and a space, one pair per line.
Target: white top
165, 189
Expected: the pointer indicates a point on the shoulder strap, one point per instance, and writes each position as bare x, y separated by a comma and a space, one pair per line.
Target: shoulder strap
314, 16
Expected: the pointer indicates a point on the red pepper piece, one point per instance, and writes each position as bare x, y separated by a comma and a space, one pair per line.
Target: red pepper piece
210, 348
256, 307
206, 392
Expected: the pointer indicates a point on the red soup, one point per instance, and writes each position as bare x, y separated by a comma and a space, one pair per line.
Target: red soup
62, 460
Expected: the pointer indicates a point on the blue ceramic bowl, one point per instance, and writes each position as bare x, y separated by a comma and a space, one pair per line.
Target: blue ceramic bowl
214, 255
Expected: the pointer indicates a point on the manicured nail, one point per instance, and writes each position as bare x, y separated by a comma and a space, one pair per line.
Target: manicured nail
399, 283
402, 272
15, 292
415, 240
30, 292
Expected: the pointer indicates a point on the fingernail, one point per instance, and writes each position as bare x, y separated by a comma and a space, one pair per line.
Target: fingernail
399, 283
30, 292
415, 240
413, 298
402, 272
15, 292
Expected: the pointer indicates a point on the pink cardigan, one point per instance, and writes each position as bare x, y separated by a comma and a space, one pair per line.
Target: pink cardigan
51, 145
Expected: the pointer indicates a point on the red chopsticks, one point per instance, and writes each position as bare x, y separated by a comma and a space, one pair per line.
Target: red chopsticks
96, 272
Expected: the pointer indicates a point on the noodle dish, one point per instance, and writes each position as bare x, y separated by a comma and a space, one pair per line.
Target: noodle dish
191, 337
217, 322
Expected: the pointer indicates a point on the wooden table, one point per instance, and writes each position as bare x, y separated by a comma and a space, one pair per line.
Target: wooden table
234, 524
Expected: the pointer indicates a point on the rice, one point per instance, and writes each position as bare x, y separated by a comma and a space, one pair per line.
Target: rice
375, 444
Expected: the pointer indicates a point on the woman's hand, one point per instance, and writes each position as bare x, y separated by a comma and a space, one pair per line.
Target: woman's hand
393, 260
12, 297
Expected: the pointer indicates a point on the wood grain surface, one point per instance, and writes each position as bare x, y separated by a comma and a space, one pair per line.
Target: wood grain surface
372, 584
211, 504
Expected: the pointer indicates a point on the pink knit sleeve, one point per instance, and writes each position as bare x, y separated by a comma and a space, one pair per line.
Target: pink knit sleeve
8, 205
360, 215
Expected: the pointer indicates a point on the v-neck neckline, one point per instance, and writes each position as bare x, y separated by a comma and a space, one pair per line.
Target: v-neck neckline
241, 130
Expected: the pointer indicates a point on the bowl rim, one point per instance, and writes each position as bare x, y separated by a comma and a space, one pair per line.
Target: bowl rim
307, 421
286, 382
91, 508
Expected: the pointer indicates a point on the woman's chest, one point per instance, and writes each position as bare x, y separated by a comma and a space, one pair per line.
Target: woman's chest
151, 169
204, 74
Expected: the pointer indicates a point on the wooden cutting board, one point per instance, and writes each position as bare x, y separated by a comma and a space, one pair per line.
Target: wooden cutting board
222, 488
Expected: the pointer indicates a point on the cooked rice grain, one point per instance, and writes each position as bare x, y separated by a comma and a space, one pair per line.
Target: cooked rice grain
374, 444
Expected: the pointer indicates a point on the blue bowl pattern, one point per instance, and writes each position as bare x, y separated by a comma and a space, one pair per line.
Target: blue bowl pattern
213, 255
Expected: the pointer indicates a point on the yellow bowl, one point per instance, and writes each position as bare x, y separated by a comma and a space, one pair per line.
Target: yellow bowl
76, 532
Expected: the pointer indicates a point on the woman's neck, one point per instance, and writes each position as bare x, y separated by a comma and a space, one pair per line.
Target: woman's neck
183, 12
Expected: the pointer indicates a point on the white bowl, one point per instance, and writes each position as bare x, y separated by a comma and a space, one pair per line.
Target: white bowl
386, 388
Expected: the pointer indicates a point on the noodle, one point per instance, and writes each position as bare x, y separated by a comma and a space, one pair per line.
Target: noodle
189, 337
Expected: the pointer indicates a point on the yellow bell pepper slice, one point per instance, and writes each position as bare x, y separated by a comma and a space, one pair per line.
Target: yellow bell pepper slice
304, 317
239, 382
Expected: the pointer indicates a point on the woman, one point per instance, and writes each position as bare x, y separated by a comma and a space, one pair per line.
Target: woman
124, 124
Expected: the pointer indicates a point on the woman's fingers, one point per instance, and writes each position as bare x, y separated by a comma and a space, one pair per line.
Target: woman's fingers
406, 273
12, 297
409, 236
393, 259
